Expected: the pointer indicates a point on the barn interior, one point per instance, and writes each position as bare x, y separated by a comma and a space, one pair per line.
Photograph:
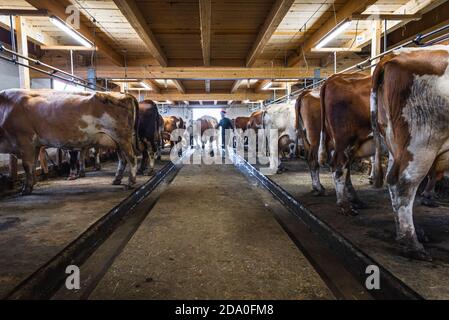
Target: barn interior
194, 231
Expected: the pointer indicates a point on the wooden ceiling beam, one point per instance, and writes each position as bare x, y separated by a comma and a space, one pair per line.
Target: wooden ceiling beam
410, 6
136, 19
350, 8
203, 73
57, 8
236, 85
237, 96
205, 27
179, 86
152, 84
274, 18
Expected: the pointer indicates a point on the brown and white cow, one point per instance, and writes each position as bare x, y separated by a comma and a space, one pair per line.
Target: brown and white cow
150, 133
30, 119
308, 121
279, 120
255, 120
345, 119
205, 124
171, 123
410, 100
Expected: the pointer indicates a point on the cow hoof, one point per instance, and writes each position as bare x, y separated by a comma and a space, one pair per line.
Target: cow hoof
319, 192
417, 254
82, 174
116, 182
429, 202
26, 191
72, 177
348, 211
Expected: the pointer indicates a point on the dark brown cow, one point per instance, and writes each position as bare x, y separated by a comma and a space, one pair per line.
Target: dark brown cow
308, 109
345, 118
30, 119
410, 100
150, 133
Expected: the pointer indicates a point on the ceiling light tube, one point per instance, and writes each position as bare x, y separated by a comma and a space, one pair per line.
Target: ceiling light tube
267, 85
330, 36
71, 32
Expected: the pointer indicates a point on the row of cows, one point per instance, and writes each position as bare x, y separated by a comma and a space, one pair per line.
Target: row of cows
402, 108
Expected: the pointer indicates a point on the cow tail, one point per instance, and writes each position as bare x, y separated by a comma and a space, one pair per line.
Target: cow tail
299, 124
136, 138
322, 150
377, 81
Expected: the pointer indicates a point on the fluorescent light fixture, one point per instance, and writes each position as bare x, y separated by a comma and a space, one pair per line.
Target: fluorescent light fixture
169, 102
230, 101
267, 85
186, 102
71, 32
339, 29
246, 101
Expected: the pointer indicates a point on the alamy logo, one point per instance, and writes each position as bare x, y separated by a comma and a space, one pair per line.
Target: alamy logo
73, 18
372, 282
72, 282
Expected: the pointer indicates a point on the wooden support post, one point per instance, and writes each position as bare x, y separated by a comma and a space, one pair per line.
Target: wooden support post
376, 32
22, 48
24, 78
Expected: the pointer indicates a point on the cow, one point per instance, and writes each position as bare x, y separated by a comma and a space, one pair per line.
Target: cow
205, 123
255, 120
171, 123
410, 109
346, 122
282, 119
31, 119
241, 123
150, 133
308, 124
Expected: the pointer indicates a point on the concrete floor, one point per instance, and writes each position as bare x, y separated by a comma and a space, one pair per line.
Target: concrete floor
35, 228
210, 237
373, 230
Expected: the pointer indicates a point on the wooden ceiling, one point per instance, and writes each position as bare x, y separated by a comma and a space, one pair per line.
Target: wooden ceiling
211, 46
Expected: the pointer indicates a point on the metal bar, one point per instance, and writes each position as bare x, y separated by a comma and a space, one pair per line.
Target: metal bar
50, 74
13, 36
355, 260
24, 12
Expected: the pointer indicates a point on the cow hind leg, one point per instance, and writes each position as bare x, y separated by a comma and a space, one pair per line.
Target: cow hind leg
129, 157
343, 200
73, 161
314, 167
84, 153
403, 189
352, 194
120, 168
144, 162
428, 195
29, 166
97, 165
